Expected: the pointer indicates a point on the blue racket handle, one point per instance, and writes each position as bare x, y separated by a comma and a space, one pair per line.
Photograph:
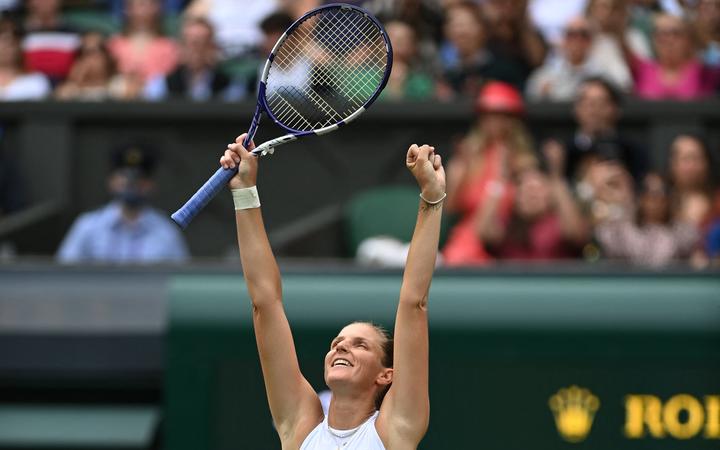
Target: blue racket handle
197, 202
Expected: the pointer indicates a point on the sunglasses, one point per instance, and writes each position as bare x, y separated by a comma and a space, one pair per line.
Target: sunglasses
577, 33
673, 32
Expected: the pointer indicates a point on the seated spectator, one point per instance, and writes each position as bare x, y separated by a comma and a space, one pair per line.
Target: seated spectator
642, 232
141, 51
49, 45
560, 77
597, 111
676, 72
610, 19
273, 27
93, 76
126, 230
15, 83
545, 222
466, 61
197, 77
691, 176
407, 80
497, 146
425, 17
707, 26
236, 23
512, 37
551, 17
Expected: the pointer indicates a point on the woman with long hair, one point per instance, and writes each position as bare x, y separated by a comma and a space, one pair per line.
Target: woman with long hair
498, 145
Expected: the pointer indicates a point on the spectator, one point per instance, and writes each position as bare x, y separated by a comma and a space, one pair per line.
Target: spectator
643, 231
126, 230
93, 76
466, 61
49, 45
513, 38
15, 83
707, 25
198, 77
676, 73
610, 19
407, 80
597, 111
141, 51
497, 146
272, 26
236, 23
552, 16
545, 222
560, 77
690, 172
425, 17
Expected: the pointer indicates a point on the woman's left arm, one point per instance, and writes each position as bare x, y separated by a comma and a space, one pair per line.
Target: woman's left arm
405, 413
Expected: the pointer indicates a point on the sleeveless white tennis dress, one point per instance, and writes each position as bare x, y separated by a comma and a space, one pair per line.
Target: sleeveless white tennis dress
364, 437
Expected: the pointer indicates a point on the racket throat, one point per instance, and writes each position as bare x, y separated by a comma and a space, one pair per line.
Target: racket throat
268, 148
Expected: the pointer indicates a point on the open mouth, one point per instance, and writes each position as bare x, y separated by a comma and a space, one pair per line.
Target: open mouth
341, 362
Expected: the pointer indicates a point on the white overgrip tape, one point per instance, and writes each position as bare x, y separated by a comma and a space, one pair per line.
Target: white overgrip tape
245, 198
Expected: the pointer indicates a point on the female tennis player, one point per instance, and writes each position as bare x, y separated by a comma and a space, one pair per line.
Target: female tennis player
379, 401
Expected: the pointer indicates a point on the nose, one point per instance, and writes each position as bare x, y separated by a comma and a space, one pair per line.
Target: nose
341, 347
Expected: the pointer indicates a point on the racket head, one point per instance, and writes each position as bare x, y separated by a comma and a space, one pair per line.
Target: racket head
325, 70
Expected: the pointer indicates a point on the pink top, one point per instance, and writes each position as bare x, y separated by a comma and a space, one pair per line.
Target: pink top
544, 241
695, 80
158, 57
464, 246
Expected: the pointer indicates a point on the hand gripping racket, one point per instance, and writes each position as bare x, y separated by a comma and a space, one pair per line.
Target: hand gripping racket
323, 72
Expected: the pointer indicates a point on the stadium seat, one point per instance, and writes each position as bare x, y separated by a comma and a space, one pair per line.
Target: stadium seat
383, 211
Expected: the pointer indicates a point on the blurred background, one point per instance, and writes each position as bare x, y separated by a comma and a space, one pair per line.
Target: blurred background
577, 298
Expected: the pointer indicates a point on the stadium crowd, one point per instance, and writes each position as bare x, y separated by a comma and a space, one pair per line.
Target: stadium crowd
593, 195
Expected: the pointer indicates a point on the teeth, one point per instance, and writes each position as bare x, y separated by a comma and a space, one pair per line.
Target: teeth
341, 362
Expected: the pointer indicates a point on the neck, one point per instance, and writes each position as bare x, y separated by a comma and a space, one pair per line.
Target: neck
42, 21
348, 412
130, 214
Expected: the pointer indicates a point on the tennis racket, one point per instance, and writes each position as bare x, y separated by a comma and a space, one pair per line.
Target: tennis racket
324, 71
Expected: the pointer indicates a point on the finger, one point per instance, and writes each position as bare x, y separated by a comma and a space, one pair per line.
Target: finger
437, 162
240, 139
230, 159
412, 154
234, 150
424, 153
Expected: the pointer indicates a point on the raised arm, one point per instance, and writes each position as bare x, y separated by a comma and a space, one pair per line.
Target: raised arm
405, 412
293, 403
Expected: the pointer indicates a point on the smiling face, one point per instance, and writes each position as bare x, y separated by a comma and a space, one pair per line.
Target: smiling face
355, 360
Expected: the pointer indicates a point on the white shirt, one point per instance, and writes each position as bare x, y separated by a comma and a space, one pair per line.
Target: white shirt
364, 437
31, 86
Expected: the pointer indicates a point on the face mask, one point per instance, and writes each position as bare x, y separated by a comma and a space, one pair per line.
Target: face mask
131, 198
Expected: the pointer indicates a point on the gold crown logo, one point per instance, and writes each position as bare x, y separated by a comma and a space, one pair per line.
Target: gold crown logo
574, 410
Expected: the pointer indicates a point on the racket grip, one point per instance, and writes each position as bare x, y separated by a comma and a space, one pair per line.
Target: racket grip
202, 197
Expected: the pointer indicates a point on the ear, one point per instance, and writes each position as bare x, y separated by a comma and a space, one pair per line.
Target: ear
385, 377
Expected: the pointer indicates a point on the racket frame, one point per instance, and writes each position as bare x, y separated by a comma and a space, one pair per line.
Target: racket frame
222, 176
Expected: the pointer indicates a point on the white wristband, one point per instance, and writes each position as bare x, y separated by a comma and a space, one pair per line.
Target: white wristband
245, 198
433, 202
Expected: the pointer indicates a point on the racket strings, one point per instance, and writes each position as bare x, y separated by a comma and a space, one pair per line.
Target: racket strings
326, 69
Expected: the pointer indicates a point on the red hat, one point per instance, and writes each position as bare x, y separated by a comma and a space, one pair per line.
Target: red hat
500, 97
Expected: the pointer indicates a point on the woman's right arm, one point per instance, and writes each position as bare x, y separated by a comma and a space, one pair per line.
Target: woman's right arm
293, 402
